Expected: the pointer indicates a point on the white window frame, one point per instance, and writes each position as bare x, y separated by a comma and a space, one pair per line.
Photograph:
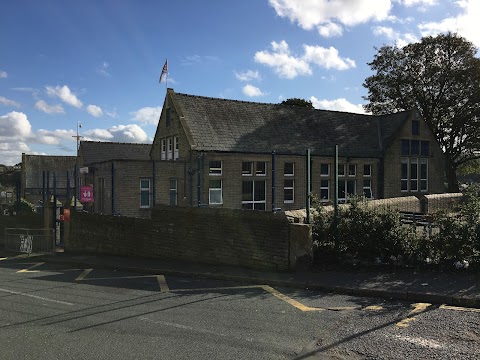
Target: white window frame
292, 187
293, 169
264, 173
328, 170
253, 201
368, 187
163, 149
169, 149
354, 166
251, 168
370, 171
142, 191
213, 190
413, 162
423, 161
175, 148
174, 190
345, 188
344, 170
215, 171
404, 161
325, 188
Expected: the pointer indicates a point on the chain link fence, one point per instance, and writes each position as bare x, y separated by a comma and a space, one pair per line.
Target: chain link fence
29, 241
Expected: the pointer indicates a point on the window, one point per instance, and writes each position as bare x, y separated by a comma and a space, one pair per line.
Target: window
288, 190
169, 149
253, 195
346, 188
215, 192
324, 169
341, 169
414, 149
175, 146
164, 149
145, 193
324, 190
415, 127
352, 170
173, 191
404, 175
405, 147
367, 170
247, 168
423, 174
414, 174
215, 167
288, 169
168, 117
261, 168
424, 151
367, 188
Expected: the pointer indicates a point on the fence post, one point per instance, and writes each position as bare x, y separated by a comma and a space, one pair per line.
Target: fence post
335, 202
309, 188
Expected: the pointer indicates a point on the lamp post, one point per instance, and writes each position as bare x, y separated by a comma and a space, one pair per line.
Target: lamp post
79, 125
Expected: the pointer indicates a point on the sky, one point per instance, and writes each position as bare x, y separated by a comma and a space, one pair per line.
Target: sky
96, 63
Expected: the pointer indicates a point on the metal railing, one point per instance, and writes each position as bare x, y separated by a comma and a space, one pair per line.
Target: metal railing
29, 241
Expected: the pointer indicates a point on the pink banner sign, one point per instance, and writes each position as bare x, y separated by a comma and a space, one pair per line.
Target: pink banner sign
86, 194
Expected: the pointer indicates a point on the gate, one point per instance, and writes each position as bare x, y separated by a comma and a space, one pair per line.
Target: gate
30, 240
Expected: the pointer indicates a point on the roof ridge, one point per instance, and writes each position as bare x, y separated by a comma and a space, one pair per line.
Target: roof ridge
114, 142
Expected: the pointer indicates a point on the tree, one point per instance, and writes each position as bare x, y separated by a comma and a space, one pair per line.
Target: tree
440, 76
298, 102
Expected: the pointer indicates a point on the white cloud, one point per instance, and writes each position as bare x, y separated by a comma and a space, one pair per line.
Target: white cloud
327, 58
8, 102
289, 66
11, 153
54, 137
319, 13
14, 125
49, 109
3, 74
330, 29
400, 39
247, 75
422, 3
147, 115
282, 62
94, 110
465, 24
252, 91
64, 94
119, 133
341, 104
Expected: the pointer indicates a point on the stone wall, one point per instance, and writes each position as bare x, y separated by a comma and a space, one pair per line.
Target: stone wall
218, 236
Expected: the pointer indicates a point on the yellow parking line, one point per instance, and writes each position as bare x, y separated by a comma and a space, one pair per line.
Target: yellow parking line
373, 308
419, 307
289, 300
218, 288
29, 269
162, 282
83, 275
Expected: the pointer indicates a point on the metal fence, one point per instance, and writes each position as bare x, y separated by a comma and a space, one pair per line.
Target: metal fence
30, 240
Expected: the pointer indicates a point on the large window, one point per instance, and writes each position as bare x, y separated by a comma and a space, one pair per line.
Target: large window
367, 188
414, 174
215, 192
346, 188
163, 149
352, 170
253, 195
144, 193
324, 169
169, 149
288, 190
175, 147
341, 169
173, 191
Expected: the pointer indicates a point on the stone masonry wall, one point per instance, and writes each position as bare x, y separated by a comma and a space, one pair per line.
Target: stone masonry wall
219, 236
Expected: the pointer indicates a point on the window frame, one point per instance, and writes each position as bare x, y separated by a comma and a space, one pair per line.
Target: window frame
215, 170
354, 167
215, 190
328, 169
251, 168
169, 148
163, 149
369, 188
327, 188
175, 147
293, 169
369, 171
257, 173
173, 190
146, 190
292, 188
254, 202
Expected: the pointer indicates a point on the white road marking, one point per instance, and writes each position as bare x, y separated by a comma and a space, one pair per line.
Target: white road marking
432, 344
83, 275
35, 297
459, 308
29, 269
162, 282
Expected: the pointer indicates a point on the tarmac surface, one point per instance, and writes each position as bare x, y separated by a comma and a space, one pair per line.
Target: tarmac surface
456, 288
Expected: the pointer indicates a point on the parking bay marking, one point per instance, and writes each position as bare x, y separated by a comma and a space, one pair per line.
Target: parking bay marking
34, 296
29, 269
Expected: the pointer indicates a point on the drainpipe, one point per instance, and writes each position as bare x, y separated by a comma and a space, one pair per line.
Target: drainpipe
335, 202
309, 188
199, 178
154, 181
113, 188
54, 217
273, 180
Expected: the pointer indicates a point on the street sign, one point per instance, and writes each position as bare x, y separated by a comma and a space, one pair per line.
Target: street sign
86, 194
83, 170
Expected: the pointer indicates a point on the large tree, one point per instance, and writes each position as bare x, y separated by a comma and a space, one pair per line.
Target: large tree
440, 76
298, 102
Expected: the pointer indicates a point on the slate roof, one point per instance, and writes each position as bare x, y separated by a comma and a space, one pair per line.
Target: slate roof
248, 127
35, 165
97, 151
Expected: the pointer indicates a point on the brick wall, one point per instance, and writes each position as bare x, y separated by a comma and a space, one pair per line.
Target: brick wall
218, 236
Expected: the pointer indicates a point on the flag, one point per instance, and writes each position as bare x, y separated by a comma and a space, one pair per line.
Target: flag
164, 71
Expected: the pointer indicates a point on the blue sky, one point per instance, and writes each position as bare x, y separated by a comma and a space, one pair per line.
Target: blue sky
98, 62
